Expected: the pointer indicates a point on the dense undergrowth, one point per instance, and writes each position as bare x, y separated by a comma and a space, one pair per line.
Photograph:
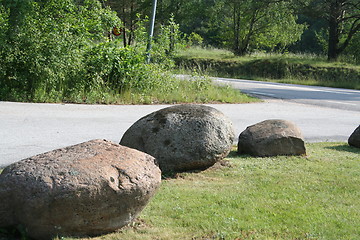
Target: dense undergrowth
288, 68
60, 51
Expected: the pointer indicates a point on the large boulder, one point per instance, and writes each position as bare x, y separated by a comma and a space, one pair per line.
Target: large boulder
354, 139
272, 138
88, 189
182, 137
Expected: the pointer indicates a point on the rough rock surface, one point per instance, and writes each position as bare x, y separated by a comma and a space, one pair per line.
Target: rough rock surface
87, 189
182, 137
354, 139
272, 138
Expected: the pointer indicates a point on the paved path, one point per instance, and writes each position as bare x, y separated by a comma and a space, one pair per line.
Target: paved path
313, 95
27, 129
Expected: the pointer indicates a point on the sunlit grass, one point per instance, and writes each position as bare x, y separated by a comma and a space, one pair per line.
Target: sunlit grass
303, 69
312, 197
194, 90
301, 58
206, 53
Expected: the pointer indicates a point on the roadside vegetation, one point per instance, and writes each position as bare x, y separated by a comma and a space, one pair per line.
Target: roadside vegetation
304, 69
93, 51
64, 51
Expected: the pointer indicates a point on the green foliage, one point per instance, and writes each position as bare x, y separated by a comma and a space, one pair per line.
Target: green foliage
195, 39
352, 53
304, 69
13, 232
342, 22
168, 41
282, 29
237, 25
248, 25
116, 68
261, 25
199, 89
53, 51
43, 46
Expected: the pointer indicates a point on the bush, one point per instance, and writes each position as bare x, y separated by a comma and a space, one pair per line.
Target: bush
42, 44
107, 65
195, 39
58, 50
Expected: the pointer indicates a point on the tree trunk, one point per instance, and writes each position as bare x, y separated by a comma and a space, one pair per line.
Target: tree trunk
131, 25
236, 21
245, 43
125, 25
334, 30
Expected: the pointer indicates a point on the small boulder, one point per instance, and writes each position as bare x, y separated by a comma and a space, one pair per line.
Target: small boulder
87, 189
182, 137
354, 139
272, 138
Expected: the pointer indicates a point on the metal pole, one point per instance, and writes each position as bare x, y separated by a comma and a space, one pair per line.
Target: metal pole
151, 31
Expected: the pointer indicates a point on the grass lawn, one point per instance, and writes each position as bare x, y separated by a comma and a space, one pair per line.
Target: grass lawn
307, 197
194, 90
222, 54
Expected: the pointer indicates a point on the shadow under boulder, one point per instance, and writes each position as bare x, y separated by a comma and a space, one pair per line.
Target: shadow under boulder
354, 139
182, 137
272, 138
87, 189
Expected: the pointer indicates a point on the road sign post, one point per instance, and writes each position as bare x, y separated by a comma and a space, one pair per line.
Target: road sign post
151, 31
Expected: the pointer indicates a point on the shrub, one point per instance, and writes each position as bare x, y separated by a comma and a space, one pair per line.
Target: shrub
118, 69
58, 50
195, 39
42, 44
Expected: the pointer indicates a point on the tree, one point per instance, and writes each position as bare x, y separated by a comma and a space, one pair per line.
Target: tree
127, 11
343, 18
344, 22
353, 50
260, 24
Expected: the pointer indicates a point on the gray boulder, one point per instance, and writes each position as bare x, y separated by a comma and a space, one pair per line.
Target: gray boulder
182, 137
272, 138
354, 139
87, 189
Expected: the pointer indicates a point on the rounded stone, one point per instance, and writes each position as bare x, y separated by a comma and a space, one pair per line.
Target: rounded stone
87, 189
271, 138
182, 137
354, 139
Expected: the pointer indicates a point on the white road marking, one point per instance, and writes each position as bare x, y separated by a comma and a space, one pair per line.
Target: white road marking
286, 86
265, 94
353, 104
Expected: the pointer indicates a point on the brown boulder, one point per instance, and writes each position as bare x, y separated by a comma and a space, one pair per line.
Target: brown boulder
272, 138
87, 189
354, 139
182, 137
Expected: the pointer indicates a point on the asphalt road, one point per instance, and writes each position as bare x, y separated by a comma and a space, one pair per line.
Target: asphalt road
319, 96
27, 129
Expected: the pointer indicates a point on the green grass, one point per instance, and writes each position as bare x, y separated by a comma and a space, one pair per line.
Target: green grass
305, 69
223, 54
169, 90
194, 90
213, 53
312, 197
